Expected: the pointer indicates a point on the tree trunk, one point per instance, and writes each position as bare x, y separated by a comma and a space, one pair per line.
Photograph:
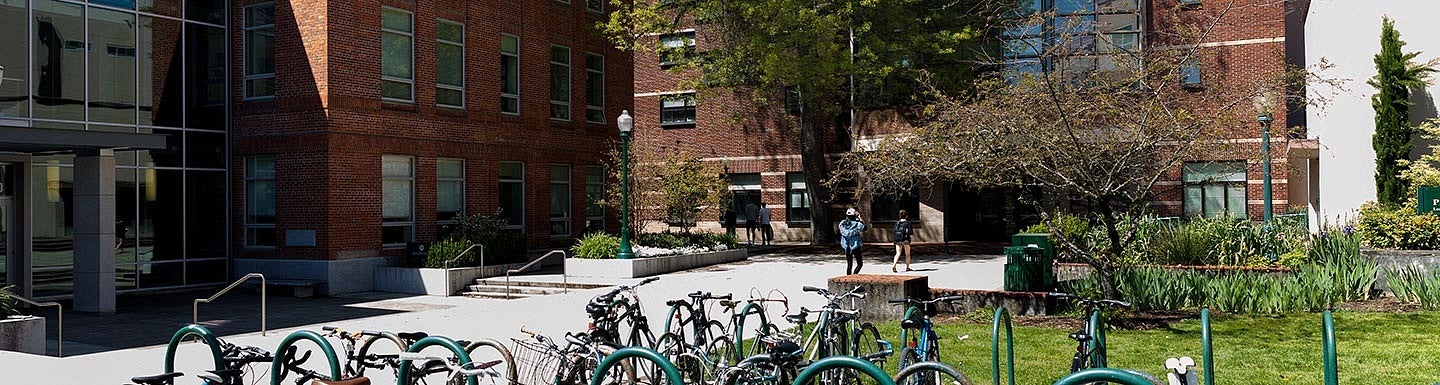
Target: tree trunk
817, 170
1105, 267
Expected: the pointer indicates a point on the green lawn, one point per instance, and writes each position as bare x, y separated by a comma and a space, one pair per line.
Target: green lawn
1374, 348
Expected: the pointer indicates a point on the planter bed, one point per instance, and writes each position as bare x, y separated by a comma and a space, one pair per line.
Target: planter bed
427, 281
645, 267
23, 333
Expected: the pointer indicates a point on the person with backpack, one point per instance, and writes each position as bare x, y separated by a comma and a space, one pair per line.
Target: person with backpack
902, 242
850, 229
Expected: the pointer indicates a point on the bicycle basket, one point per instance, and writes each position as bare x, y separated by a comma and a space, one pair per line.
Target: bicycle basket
536, 363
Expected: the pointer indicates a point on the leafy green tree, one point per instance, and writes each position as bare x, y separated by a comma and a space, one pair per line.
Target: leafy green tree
668, 186
1396, 74
768, 47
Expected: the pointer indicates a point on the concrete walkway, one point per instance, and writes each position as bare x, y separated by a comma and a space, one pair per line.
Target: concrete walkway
111, 349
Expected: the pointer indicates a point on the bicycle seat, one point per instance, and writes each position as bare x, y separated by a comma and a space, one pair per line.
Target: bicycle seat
596, 310
352, 381
675, 302
699, 295
787, 348
796, 318
1080, 337
158, 379
728, 304
911, 323
412, 336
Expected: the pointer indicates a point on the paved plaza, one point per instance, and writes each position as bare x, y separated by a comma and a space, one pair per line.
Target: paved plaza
110, 349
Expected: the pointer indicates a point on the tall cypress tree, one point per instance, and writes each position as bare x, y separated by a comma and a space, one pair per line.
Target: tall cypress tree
1396, 74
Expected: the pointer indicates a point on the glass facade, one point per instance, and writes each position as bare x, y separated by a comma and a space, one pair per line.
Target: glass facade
1072, 36
147, 66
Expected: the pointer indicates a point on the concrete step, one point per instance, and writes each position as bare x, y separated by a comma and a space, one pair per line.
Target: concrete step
492, 295
518, 283
515, 289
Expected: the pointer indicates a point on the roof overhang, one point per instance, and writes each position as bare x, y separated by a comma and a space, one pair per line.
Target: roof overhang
49, 140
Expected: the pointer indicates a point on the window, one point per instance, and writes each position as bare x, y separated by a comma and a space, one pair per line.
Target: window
677, 110
793, 104
397, 56
260, 50
594, 193
675, 47
512, 193
1190, 74
560, 207
1215, 189
509, 74
260, 201
797, 201
1085, 32
595, 88
746, 190
397, 202
559, 83
450, 193
450, 64
595, 5
886, 208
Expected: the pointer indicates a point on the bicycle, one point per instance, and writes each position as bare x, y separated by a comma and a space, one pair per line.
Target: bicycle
754, 306
837, 331
1090, 349
917, 332
360, 352
547, 363
619, 308
236, 361
458, 373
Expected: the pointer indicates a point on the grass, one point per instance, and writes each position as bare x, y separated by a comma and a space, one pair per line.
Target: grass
1374, 348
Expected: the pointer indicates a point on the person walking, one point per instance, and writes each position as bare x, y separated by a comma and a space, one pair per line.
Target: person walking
729, 220
767, 232
902, 242
752, 221
850, 229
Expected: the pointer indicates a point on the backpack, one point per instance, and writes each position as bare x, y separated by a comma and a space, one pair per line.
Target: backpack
902, 230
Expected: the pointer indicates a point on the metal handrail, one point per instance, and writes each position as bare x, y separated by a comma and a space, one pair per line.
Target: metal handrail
448, 289
564, 278
195, 317
59, 321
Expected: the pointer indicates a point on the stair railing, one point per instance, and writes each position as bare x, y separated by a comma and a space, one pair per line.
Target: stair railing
448, 289
564, 278
195, 317
59, 320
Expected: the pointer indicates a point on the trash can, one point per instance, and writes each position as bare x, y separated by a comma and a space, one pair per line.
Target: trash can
1029, 266
1015, 273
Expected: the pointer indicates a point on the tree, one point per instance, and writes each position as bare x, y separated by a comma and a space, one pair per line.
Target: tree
767, 48
1095, 130
668, 186
1423, 172
1396, 74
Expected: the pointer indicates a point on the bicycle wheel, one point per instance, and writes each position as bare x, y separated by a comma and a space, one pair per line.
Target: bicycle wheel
833, 342
721, 352
679, 352
488, 350
758, 370
931, 373
908, 357
865, 344
380, 351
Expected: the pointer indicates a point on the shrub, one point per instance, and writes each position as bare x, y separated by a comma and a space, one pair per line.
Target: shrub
729, 241
596, 246
443, 250
501, 245
8, 306
665, 240
1397, 227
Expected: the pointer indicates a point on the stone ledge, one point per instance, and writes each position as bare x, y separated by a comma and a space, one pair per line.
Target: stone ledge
645, 267
879, 290
1017, 302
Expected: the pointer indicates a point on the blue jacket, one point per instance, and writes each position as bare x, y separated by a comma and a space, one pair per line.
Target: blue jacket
850, 233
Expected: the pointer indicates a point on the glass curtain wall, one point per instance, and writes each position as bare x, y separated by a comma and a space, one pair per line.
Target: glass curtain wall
146, 66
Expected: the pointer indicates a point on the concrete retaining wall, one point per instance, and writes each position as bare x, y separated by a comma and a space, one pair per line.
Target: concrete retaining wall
25, 334
879, 290
645, 267
1018, 303
341, 276
1428, 260
411, 280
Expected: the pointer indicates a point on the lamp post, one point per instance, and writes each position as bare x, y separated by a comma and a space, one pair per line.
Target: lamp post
626, 123
1264, 99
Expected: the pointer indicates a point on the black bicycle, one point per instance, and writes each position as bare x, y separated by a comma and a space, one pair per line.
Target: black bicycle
617, 319
237, 360
1090, 349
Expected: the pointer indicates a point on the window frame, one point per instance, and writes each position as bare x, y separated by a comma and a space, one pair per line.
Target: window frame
568, 216
791, 190
247, 225
566, 104
692, 106
441, 180
411, 35
246, 77
594, 73
504, 55
439, 41
1192, 76
523, 201
1048, 35
667, 54
601, 3
410, 236
1243, 184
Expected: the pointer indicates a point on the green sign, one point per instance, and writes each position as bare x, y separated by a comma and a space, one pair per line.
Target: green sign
1429, 200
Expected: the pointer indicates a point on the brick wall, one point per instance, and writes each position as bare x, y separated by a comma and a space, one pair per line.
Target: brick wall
329, 128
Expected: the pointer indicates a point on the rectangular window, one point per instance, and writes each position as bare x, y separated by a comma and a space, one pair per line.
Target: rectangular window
397, 55
1190, 74
676, 47
746, 191
595, 88
595, 5
886, 208
1075, 29
260, 201
509, 74
397, 202
594, 194
797, 199
677, 110
793, 104
559, 83
259, 50
450, 64
560, 207
512, 193
1214, 189
450, 193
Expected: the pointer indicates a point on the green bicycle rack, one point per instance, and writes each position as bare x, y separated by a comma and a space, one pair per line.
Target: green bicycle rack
1002, 314
1099, 352
275, 364
636, 352
1122, 377
197, 331
1327, 349
740, 352
1207, 358
843, 362
435, 341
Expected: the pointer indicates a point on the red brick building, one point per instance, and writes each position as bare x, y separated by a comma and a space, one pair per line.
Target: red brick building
1251, 37
373, 122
